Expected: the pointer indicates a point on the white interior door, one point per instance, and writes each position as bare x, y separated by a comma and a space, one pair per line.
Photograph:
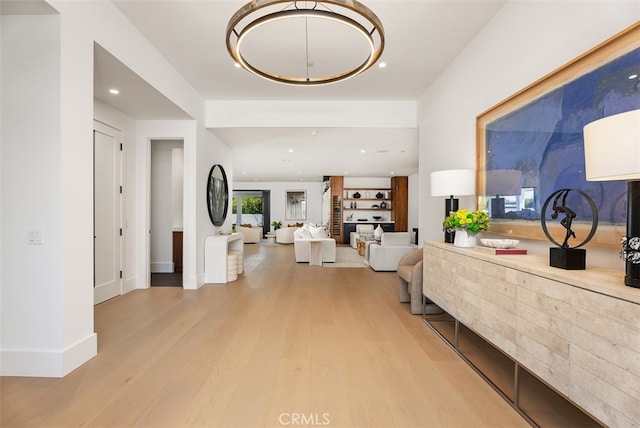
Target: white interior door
107, 214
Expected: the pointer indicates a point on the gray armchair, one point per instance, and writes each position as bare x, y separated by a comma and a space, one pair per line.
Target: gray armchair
410, 284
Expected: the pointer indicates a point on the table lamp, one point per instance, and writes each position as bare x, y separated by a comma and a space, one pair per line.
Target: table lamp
452, 182
612, 152
501, 182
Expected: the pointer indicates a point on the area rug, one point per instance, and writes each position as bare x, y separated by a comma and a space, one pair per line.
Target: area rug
347, 257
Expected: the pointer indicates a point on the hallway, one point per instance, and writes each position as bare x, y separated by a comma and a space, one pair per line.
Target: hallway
286, 342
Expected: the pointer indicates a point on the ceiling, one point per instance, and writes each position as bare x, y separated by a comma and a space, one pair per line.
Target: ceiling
422, 38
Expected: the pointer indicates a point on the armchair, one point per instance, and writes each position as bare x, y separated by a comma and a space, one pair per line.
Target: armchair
250, 235
360, 229
410, 284
410, 280
386, 255
285, 235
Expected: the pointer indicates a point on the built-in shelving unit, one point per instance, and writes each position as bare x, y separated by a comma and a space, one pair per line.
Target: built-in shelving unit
347, 209
370, 204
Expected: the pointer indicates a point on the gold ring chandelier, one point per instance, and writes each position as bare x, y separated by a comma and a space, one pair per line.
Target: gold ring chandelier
305, 42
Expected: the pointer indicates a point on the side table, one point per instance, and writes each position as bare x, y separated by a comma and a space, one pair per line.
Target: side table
315, 252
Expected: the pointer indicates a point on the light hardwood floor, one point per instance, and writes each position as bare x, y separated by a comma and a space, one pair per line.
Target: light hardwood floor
286, 345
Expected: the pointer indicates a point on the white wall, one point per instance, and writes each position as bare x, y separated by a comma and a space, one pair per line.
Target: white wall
47, 73
363, 182
413, 217
524, 42
32, 277
278, 203
177, 187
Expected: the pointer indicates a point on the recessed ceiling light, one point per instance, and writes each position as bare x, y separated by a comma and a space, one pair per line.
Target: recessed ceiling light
290, 150
633, 76
114, 91
392, 173
363, 151
382, 65
314, 133
236, 65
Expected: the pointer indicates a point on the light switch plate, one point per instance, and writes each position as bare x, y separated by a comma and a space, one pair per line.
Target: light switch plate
34, 237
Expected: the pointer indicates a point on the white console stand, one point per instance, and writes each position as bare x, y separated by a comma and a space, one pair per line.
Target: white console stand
216, 252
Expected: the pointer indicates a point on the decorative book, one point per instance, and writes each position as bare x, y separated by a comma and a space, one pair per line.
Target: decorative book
501, 251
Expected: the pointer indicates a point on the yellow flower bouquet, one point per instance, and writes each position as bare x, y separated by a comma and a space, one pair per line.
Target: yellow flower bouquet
471, 221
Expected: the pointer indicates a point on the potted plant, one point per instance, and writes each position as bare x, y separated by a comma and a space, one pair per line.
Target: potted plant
276, 225
466, 224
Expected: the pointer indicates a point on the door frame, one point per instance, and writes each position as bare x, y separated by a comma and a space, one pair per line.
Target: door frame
150, 143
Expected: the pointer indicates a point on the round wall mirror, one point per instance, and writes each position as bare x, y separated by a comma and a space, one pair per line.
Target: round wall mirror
217, 195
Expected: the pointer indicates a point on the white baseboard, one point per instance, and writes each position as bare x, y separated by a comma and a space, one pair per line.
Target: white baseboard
48, 363
193, 283
162, 267
129, 284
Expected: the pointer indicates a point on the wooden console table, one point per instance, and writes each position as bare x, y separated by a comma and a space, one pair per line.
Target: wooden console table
576, 331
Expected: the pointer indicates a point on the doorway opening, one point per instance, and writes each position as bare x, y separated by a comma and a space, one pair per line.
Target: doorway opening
252, 207
167, 207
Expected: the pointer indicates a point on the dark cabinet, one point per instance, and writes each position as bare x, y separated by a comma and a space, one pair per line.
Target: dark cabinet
177, 251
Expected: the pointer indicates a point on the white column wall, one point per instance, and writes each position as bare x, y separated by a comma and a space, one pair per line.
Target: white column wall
413, 217
31, 275
523, 42
210, 152
47, 323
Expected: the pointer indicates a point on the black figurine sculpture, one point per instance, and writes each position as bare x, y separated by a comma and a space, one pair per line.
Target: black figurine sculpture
569, 215
564, 255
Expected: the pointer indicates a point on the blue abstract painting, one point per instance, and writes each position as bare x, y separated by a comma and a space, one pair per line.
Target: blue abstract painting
543, 139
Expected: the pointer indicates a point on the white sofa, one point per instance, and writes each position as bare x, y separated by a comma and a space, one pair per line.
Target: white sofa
251, 235
302, 243
393, 246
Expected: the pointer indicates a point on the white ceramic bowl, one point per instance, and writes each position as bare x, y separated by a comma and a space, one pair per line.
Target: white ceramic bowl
499, 243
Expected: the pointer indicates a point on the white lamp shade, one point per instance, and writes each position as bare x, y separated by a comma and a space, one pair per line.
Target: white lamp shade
456, 182
612, 147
